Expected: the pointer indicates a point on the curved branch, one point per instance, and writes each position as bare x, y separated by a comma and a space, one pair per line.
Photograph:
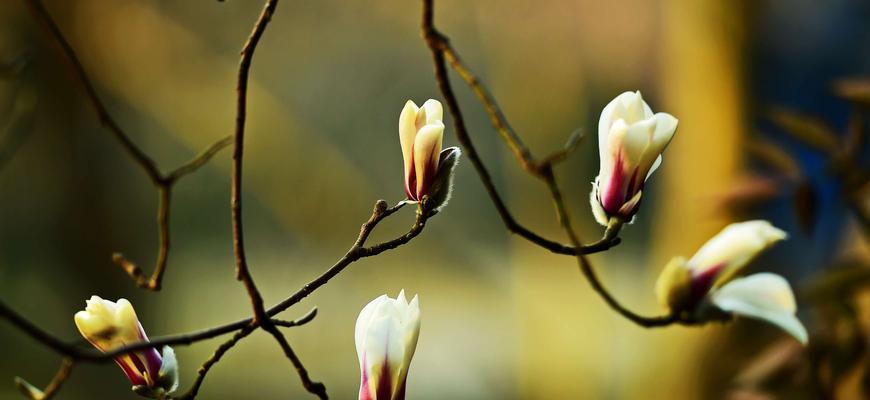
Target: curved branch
586, 267
441, 50
439, 47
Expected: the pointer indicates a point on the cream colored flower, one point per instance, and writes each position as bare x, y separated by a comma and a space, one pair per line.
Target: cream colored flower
386, 338
420, 133
109, 325
631, 140
704, 287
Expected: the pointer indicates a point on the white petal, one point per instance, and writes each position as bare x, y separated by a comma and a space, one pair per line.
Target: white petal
637, 141
597, 210
427, 147
608, 157
735, 246
764, 296
611, 112
407, 133
107, 324
666, 126
363, 321
168, 377
635, 108
434, 111
386, 332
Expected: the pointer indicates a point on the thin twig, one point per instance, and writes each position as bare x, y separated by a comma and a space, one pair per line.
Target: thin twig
243, 272
163, 182
586, 267
308, 317
440, 49
214, 359
439, 46
52, 388
355, 253
148, 165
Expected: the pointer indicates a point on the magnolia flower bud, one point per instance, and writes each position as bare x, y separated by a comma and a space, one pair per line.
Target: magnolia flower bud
420, 134
631, 140
703, 288
109, 325
386, 337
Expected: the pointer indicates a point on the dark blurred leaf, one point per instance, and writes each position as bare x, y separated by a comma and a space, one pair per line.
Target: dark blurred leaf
806, 207
774, 156
855, 90
856, 134
748, 193
776, 363
839, 283
811, 131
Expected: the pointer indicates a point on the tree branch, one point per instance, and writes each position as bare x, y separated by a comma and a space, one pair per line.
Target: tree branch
441, 52
586, 267
243, 272
439, 47
164, 183
52, 388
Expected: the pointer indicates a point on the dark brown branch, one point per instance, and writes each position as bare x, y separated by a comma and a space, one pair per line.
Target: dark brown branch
214, 359
52, 388
200, 160
586, 267
243, 272
41, 14
441, 50
298, 321
163, 182
439, 46
356, 252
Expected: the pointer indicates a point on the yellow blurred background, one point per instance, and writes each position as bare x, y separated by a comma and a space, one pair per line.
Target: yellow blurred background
501, 318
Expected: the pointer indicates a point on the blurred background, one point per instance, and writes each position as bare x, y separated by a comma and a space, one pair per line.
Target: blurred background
758, 87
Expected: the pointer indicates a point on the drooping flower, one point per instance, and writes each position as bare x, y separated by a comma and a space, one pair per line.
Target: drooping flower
109, 325
421, 132
386, 338
704, 287
631, 140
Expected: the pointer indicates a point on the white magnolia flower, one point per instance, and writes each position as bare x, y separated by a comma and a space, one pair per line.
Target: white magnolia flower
109, 325
763, 296
420, 133
704, 286
631, 140
386, 337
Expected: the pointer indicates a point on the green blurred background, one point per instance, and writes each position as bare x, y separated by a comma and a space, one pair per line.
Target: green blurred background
501, 319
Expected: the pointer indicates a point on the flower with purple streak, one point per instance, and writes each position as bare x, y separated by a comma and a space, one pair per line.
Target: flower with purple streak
631, 139
386, 338
109, 325
704, 287
420, 134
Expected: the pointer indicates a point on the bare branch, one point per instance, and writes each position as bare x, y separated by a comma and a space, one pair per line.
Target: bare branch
439, 47
441, 51
164, 183
586, 267
52, 388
